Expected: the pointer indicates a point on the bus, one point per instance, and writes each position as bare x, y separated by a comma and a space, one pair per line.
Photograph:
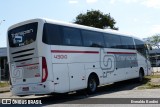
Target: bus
47, 56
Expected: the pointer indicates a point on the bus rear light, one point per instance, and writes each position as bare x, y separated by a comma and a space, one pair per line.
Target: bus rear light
44, 70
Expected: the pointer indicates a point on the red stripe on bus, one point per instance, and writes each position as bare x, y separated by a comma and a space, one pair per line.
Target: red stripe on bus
121, 52
71, 51
28, 65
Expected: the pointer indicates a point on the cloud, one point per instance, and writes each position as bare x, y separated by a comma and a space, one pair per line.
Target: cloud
124, 1
152, 3
91, 1
129, 1
73, 1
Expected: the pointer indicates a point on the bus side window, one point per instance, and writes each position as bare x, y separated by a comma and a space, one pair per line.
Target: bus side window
112, 41
71, 36
127, 43
92, 38
52, 34
140, 47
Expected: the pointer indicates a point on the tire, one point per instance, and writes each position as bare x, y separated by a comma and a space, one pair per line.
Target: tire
92, 84
141, 76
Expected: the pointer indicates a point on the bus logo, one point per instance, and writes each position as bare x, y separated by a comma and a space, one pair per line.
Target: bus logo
17, 39
107, 62
16, 72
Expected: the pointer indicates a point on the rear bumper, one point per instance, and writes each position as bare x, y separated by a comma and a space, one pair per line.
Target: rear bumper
34, 88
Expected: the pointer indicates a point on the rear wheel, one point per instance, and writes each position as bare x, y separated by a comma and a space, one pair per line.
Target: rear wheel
92, 84
141, 76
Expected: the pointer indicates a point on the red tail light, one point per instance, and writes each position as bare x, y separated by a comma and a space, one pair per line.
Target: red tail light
44, 70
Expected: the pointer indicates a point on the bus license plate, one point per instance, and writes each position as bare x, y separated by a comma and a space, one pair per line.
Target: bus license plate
25, 89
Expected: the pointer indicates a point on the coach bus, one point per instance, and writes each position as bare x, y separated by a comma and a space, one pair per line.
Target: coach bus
47, 56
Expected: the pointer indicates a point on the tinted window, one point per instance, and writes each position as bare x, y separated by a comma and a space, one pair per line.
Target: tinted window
92, 39
23, 35
140, 47
127, 42
71, 36
112, 41
52, 34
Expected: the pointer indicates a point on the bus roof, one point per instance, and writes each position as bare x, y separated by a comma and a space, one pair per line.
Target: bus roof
75, 26
89, 28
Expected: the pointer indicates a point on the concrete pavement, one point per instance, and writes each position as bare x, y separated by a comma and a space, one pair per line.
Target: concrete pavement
4, 89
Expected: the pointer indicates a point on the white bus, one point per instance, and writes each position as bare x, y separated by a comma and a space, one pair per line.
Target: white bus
47, 56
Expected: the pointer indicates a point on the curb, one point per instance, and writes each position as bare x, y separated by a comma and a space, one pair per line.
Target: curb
4, 89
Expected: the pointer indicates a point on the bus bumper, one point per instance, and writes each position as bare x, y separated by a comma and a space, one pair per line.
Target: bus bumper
33, 88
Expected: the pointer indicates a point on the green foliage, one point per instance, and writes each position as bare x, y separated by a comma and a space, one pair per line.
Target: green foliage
154, 41
95, 18
148, 84
4, 84
152, 76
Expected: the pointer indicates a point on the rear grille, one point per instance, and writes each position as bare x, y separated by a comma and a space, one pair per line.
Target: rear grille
23, 60
23, 55
23, 51
27, 60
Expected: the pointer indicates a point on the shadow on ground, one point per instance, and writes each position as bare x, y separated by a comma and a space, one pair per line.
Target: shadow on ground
74, 98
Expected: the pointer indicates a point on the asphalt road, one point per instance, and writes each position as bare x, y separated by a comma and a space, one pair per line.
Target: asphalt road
115, 94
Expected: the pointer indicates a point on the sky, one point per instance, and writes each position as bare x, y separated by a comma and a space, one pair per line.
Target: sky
140, 18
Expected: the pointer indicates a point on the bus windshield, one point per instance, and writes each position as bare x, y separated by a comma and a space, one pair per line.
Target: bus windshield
22, 35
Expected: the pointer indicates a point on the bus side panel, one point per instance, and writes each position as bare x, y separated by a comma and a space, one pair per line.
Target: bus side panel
77, 76
142, 63
150, 70
61, 78
94, 68
118, 64
132, 72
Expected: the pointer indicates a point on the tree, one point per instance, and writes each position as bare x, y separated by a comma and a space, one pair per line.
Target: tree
154, 41
95, 18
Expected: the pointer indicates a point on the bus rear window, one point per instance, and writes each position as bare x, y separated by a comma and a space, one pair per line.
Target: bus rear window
23, 35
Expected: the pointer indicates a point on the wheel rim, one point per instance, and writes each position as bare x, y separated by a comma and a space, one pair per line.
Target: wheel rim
92, 85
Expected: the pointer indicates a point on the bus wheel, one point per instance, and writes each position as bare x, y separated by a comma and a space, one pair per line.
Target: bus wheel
92, 84
141, 76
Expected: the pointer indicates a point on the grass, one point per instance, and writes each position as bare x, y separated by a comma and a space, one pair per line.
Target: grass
152, 76
147, 84
4, 84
